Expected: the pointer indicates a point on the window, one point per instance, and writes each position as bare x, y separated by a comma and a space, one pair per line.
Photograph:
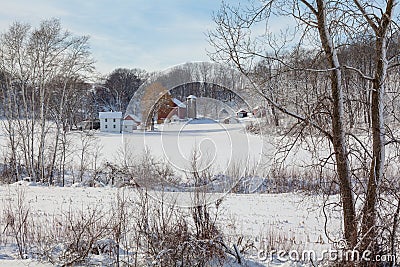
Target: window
115, 126
106, 126
105, 121
114, 121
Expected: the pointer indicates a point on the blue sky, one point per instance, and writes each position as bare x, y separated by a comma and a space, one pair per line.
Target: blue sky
148, 34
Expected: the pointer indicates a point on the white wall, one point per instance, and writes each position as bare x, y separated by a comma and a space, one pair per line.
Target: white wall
110, 125
128, 126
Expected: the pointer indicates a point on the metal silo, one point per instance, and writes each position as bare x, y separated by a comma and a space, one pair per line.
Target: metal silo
191, 107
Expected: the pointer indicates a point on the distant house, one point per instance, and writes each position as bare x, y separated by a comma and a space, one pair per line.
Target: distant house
110, 122
130, 123
241, 113
88, 125
259, 112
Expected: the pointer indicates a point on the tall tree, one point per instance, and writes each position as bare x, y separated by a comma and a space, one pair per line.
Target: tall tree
41, 64
119, 87
380, 22
329, 27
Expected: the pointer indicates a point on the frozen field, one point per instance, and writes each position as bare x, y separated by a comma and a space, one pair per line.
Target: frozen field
216, 145
256, 217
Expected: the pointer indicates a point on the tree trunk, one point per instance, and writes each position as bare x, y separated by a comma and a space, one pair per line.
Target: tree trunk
338, 132
380, 26
378, 140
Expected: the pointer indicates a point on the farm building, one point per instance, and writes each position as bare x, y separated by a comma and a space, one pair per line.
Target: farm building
241, 113
180, 109
259, 112
192, 107
110, 121
130, 123
169, 107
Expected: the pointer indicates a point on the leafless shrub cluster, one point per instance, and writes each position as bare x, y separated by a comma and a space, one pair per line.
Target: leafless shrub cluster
292, 179
171, 237
17, 222
136, 230
150, 172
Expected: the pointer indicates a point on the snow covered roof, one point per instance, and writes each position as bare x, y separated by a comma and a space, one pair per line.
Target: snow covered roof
110, 115
259, 107
131, 117
191, 97
178, 103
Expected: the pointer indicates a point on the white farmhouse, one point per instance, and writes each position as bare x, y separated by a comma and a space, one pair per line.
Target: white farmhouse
110, 121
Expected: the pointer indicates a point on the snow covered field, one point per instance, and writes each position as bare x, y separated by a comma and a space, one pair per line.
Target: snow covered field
217, 145
286, 221
294, 221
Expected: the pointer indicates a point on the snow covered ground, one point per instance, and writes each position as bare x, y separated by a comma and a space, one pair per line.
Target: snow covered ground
293, 221
288, 221
216, 144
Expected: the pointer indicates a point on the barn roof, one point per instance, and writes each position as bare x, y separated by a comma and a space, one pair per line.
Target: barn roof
178, 103
131, 117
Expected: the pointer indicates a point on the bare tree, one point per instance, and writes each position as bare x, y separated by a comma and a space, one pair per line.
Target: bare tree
381, 26
322, 29
42, 67
122, 84
153, 98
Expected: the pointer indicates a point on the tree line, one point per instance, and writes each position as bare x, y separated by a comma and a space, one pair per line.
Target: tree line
46, 76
